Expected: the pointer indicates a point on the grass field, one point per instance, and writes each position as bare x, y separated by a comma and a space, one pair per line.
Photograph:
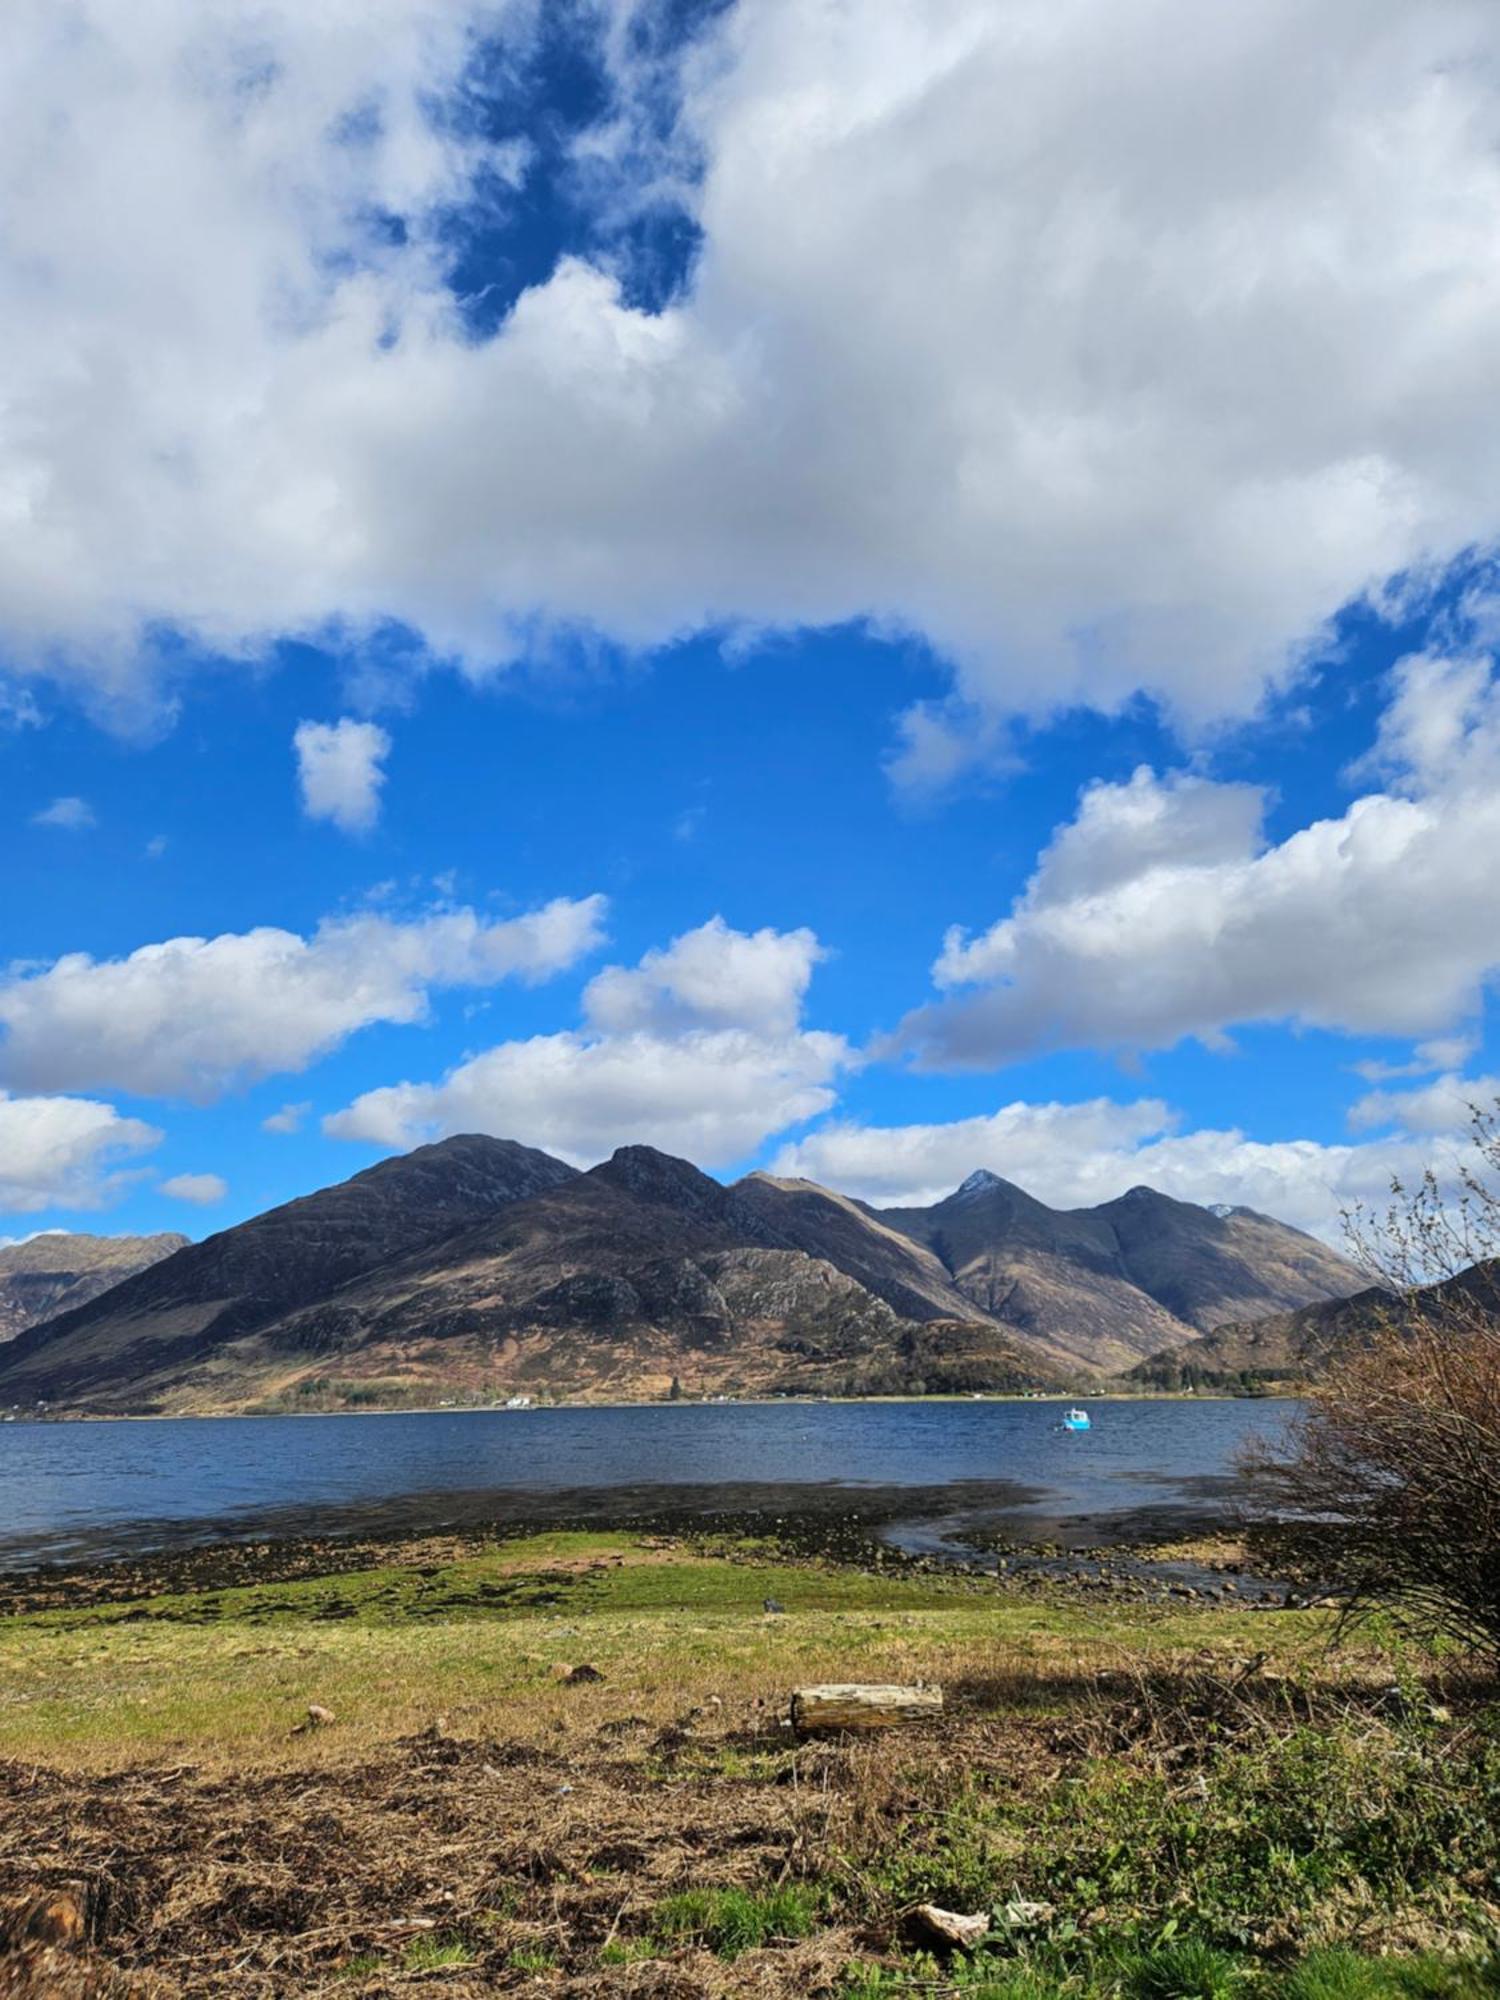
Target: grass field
1150, 1801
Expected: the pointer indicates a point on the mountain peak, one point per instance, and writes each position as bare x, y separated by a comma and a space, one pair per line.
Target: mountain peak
979, 1182
657, 1176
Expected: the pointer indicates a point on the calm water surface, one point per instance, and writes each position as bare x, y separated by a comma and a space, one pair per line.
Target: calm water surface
85, 1489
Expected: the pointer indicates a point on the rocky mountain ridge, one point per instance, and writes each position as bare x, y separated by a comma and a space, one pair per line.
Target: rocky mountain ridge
488, 1267
59, 1269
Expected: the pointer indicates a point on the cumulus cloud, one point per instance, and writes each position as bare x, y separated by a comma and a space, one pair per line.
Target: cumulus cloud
1160, 911
64, 1152
202, 1189
1446, 1105
287, 1120
697, 1049
1075, 1155
191, 1017
1449, 1052
1108, 346
73, 814
339, 771
712, 977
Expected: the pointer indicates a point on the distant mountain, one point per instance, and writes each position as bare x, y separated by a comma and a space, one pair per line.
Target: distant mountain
1288, 1348
477, 1266
50, 1273
1100, 1287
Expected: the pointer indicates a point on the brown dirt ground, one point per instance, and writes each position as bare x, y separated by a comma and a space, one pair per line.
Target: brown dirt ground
248, 1884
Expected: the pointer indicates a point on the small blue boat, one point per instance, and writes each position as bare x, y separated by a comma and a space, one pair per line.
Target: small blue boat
1076, 1420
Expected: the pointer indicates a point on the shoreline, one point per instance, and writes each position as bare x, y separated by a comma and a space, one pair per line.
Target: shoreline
973, 1526
1278, 1393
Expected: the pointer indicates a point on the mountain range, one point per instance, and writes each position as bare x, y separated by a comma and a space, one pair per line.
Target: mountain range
477, 1266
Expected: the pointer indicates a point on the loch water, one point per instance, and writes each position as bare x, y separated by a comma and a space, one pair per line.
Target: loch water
86, 1490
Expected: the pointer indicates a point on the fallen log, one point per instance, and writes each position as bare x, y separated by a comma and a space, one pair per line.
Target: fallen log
856, 1705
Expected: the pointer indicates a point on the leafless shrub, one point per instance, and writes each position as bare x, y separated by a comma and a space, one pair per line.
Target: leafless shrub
1389, 1483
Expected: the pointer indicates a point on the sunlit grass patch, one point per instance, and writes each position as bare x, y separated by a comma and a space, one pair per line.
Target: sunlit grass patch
387, 1648
731, 1921
433, 1954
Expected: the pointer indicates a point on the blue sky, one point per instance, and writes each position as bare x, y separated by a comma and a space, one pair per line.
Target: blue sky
979, 643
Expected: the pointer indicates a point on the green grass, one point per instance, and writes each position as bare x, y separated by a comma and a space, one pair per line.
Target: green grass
517, 1580
627, 1951
387, 1648
731, 1921
1340, 1974
1189, 1972
1248, 1846
431, 1954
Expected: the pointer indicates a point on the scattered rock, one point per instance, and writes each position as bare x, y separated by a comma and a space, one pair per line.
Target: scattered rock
567, 1676
1021, 1915
949, 1929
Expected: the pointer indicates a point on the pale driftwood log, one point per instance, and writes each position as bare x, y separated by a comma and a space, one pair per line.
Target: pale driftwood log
857, 1705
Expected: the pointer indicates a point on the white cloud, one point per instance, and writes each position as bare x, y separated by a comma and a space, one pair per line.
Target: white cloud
712, 977
1449, 1052
1109, 346
937, 743
288, 1119
711, 1097
62, 1152
1160, 910
1075, 1155
696, 1050
1446, 1105
202, 1189
193, 1016
18, 710
73, 814
339, 771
